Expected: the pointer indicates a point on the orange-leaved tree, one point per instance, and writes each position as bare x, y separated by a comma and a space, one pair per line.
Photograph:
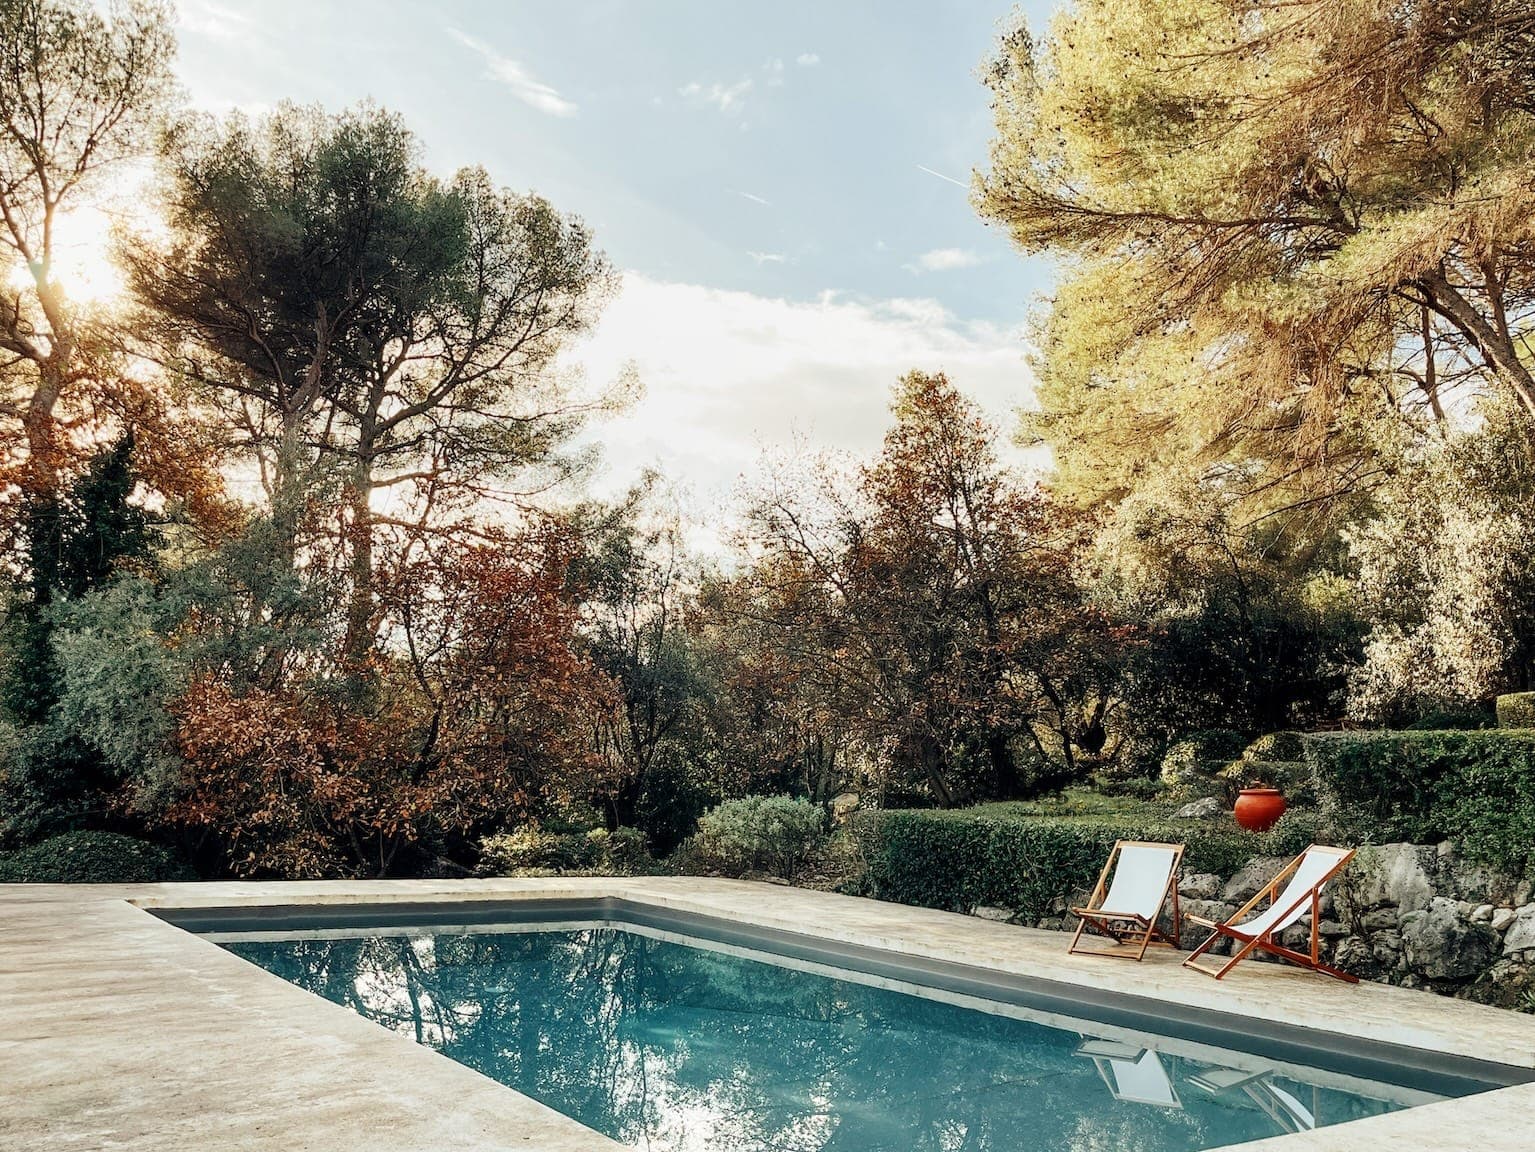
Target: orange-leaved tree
474, 721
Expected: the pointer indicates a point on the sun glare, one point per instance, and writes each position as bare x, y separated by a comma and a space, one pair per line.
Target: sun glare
82, 260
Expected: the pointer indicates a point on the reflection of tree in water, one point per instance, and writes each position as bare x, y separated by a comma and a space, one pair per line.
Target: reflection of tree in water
678, 1049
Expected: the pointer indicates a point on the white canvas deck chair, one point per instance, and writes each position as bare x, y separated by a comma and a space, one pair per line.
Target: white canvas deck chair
1281, 1106
1134, 1075
1253, 929
1128, 908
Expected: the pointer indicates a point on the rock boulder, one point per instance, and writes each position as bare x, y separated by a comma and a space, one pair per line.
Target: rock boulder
1440, 944
1388, 874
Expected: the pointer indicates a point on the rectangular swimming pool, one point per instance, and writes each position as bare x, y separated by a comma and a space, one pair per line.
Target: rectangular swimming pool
687, 1037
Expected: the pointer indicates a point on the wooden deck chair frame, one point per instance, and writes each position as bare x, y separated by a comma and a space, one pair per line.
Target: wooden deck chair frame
1264, 941
1127, 928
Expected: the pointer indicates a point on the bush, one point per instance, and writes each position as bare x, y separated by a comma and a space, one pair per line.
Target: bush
958, 859
1199, 756
1516, 710
628, 852
533, 847
1477, 788
92, 858
760, 833
1276, 746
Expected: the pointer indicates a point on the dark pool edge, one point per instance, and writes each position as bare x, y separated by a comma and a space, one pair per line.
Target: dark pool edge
1402, 1065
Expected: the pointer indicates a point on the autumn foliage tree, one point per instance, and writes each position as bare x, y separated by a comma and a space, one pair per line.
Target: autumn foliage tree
476, 721
936, 589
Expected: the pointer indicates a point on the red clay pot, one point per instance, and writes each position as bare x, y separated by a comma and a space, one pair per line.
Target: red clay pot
1259, 809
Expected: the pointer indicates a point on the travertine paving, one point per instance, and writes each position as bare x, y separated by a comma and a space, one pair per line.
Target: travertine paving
120, 1031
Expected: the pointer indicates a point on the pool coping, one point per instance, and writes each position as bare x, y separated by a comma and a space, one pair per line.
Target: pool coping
87, 1067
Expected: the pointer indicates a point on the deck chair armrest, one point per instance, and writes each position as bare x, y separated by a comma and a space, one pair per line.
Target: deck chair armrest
1190, 918
1100, 914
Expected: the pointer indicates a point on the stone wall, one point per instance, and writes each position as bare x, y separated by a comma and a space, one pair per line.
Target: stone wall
1416, 915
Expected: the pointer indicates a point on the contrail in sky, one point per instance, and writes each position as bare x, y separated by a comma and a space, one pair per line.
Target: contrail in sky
941, 176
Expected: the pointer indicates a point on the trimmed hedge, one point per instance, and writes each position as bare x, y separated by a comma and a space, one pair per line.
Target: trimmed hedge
1473, 787
1469, 719
92, 858
1516, 710
958, 859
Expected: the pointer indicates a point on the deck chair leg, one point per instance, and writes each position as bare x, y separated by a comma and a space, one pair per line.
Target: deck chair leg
1209, 942
1237, 957
1077, 936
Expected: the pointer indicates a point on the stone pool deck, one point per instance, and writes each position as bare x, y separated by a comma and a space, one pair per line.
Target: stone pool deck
120, 1031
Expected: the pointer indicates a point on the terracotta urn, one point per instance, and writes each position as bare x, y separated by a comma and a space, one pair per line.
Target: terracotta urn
1259, 809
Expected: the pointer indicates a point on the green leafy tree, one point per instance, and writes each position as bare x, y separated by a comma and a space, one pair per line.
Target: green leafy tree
365, 328
56, 772
1288, 224
1446, 573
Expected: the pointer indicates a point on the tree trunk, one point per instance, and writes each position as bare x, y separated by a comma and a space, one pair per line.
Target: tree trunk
358, 644
1004, 767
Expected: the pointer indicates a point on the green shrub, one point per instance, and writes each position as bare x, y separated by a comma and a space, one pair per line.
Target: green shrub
760, 833
628, 852
92, 858
1455, 720
1199, 757
956, 860
1516, 710
1477, 788
1276, 746
535, 848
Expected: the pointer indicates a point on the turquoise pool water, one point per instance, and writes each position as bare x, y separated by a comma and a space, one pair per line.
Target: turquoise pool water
674, 1048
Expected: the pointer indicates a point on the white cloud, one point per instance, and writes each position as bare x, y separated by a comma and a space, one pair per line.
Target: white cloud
762, 258
774, 69
946, 260
527, 88
753, 197
729, 373
205, 18
807, 59
728, 98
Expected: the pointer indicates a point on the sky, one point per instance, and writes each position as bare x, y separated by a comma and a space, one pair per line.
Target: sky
782, 186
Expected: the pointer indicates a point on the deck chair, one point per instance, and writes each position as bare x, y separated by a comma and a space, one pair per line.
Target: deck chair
1283, 1108
1127, 910
1134, 1075
1255, 930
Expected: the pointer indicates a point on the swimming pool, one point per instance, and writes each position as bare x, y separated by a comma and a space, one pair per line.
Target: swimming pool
687, 1043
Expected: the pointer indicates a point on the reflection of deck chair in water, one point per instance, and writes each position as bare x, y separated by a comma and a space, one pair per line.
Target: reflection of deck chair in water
1134, 1075
1277, 1103
1127, 910
1307, 874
